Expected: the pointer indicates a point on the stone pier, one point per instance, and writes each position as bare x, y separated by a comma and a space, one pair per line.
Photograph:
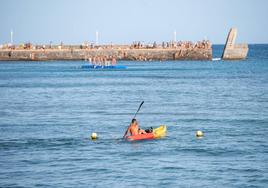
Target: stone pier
182, 51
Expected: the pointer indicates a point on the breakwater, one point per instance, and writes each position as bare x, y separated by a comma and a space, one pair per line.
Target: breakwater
234, 51
166, 51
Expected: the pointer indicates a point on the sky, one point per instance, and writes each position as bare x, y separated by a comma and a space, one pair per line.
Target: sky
125, 21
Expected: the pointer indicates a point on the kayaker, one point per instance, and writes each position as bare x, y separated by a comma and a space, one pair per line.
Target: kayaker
134, 129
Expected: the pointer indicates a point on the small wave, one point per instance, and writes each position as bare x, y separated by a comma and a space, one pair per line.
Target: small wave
216, 59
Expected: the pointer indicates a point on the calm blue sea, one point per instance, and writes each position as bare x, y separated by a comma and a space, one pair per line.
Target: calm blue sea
49, 109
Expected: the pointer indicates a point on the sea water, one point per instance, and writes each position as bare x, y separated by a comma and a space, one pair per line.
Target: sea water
48, 111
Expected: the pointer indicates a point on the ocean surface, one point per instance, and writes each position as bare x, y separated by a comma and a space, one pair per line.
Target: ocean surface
48, 111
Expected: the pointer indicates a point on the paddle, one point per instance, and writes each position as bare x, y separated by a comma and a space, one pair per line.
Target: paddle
135, 115
138, 109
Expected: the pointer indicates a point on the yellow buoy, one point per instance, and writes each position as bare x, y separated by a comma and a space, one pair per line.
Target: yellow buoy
94, 136
199, 134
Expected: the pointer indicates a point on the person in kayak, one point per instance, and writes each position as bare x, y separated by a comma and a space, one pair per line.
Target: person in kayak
134, 129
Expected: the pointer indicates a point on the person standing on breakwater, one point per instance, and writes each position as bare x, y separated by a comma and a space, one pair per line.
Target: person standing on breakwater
113, 61
98, 61
90, 60
94, 60
102, 61
106, 61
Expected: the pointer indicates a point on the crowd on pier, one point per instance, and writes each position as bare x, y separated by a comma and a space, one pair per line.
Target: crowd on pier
205, 44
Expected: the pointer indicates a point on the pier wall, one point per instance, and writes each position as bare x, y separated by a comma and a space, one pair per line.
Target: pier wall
119, 54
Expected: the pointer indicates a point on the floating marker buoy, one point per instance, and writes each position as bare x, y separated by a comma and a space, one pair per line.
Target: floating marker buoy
94, 136
199, 134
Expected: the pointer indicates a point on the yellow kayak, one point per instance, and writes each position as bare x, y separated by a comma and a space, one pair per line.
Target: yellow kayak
160, 131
